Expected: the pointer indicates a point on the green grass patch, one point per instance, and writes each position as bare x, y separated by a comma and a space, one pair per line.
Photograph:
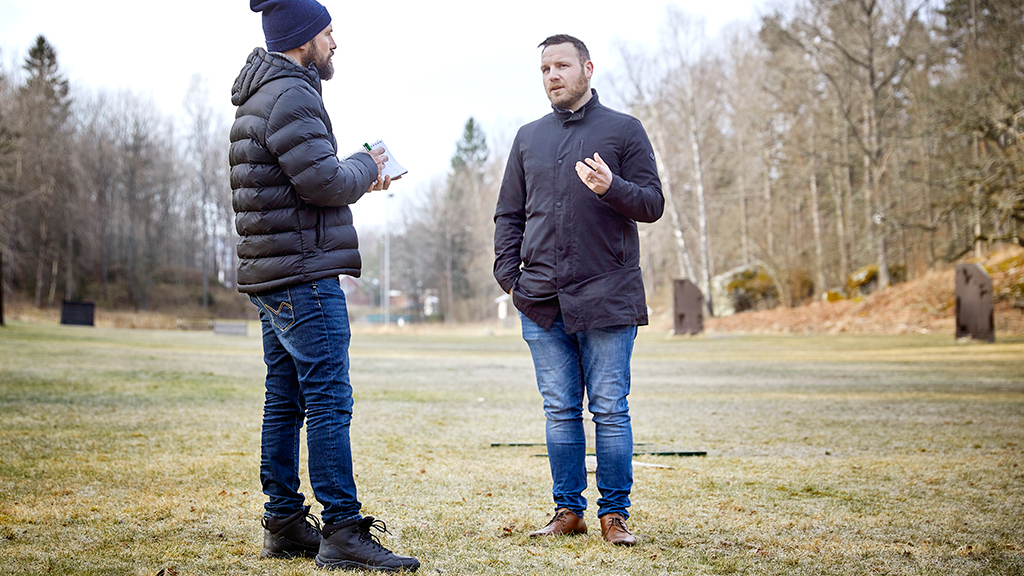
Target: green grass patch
137, 452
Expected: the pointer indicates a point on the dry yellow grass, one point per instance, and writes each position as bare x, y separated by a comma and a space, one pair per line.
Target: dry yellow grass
136, 452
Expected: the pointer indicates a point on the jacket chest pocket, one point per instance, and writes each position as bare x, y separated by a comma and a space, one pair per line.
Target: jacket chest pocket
538, 170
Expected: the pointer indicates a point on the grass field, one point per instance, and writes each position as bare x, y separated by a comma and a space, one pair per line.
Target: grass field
137, 452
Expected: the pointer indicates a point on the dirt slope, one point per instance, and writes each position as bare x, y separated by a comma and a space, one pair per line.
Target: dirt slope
923, 305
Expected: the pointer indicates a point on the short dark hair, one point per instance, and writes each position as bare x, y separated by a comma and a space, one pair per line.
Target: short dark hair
581, 48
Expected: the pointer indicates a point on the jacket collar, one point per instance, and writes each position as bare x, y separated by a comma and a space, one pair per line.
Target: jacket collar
564, 116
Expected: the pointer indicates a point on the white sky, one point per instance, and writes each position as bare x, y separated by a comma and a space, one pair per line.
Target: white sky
410, 72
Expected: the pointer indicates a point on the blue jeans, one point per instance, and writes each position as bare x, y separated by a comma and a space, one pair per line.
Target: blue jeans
305, 346
567, 365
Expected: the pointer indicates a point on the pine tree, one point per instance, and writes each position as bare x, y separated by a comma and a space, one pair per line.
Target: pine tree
44, 107
459, 210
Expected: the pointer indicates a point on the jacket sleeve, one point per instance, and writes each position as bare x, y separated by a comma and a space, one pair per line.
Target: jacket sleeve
298, 137
636, 192
510, 222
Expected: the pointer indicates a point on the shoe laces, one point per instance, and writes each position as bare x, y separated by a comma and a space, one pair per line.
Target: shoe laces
312, 523
617, 522
558, 517
366, 524
309, 522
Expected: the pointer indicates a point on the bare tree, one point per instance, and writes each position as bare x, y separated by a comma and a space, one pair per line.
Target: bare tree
97, 166
866, 41
642, 90
987, 71
207, 158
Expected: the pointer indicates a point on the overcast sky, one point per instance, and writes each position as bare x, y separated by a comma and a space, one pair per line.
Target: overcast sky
410, 72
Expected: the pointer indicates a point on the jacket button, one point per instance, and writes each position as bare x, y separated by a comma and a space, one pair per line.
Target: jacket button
558, 204
559, 161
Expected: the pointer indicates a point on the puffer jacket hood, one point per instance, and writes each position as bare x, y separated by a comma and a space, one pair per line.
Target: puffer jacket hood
290, 191
263, 67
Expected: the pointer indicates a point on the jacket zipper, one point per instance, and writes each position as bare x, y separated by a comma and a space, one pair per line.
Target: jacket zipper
319, 223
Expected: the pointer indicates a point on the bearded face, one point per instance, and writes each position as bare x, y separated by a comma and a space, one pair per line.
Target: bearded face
321, 58
572, 91
566, 79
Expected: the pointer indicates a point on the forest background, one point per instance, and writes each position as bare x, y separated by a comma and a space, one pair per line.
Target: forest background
833, 142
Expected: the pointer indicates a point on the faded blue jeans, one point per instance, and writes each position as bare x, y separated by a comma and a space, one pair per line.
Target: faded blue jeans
306, 336
595, 362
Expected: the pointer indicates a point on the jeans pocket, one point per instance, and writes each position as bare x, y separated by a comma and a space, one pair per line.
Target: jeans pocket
277, 305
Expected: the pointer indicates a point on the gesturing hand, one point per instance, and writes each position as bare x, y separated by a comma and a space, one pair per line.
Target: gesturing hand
595, 174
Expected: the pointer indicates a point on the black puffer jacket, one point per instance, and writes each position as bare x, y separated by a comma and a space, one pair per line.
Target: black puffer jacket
290, 191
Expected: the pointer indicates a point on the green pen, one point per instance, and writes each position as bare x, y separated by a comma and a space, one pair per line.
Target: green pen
367, 146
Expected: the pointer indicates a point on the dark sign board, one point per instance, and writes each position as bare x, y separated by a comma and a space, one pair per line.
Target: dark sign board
77, 313
687, 307
975, 306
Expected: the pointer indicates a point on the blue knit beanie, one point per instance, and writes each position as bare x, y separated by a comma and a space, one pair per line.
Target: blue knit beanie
288, 24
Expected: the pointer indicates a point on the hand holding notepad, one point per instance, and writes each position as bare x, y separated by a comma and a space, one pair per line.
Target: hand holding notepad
391, 168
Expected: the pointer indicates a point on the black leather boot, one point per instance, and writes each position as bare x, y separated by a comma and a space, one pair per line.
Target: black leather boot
292, 536
351, 545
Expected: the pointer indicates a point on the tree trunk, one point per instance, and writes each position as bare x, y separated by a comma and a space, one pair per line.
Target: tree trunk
54, 268
449, 282
744, 216
844, 258
907, 255
841, 194
819, 258
698, 177
878, 208
769, 223
104, 243
682, 254
1, 287
976, 200
866, 191
206, 247
69, 272
41, 263
851, 222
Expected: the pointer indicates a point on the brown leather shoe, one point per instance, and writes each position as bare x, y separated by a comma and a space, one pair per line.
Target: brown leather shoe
563, 522
613, 528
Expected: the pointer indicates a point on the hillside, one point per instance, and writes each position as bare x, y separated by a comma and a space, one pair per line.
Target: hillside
923, 305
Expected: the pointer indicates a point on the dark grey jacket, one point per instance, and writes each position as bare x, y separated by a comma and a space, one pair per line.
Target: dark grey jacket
290, 191
560, 246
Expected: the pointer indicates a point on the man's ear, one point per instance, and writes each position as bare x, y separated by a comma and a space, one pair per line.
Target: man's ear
298, 54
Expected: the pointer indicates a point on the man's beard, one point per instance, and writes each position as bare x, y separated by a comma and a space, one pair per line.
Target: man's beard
324, 66
573, 92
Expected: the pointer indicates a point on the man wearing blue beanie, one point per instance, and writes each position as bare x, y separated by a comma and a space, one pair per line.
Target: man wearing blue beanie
291, 195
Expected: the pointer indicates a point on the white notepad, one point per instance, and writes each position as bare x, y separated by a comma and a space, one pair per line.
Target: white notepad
391, 167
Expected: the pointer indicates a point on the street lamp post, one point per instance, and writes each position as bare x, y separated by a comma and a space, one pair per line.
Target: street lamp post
386, 300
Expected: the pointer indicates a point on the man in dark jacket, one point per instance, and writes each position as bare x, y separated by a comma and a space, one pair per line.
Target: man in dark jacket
566, 248
291, 194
